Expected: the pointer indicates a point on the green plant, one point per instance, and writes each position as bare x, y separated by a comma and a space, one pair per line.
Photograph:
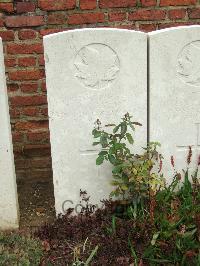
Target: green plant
19, 250
112, 229
133, 253
172, 237
77, 253
177, 223
133, 174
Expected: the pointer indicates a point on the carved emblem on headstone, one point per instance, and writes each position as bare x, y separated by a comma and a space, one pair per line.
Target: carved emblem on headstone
188, 66
97, 65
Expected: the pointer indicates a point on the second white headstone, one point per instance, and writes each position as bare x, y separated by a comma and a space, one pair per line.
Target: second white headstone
175, 95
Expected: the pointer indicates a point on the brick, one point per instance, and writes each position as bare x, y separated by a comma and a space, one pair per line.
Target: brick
14, 113
28, 100
27, 34
37, 175
12, 87
43, 86
10, 62
147, 15
126, 26
88, 18
7, 35
6, 7
177, 13
117, 16
177, 2
88, 4
29, 111
174, 24
43, 162
147, 27
35, 136
14, 48
147, 3
34, 150
17, 137
194, 13
49, 5
58, 18
44, 111
22, 163
21, 75
1, 22
23, 7
41, 61
49, 31
24, 21
116, 3
29, 87
26, 61
31, 125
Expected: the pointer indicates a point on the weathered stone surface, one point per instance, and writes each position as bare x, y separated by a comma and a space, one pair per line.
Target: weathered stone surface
8, 198
175, 94
91, 73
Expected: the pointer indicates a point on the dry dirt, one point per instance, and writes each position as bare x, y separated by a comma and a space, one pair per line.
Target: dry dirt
36, 202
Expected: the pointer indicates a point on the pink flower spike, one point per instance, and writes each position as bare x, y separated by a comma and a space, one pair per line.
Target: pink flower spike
172, 161
160, 166
189, 155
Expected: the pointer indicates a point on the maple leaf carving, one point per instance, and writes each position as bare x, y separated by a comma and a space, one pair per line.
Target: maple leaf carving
96, 65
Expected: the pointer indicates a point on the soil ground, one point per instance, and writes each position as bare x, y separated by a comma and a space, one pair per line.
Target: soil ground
36, 202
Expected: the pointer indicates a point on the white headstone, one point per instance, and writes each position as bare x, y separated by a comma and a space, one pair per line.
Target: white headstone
175, 94
8, 197
91, 73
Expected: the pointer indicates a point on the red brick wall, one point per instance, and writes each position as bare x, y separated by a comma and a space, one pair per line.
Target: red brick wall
22, 26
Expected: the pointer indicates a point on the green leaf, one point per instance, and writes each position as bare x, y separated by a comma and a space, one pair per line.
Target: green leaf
116, 129
124, 187
190, 233
103, 141
112, 159
99, 160
129, 138
113, 223
96, 133
103, 153
132, 127
155, 236
119, 146
87, 263
123, 128
111, 150
115, 183
133, 252
117, 176
117, 169
113, 193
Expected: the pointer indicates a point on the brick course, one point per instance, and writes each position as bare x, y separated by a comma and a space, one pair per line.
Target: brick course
22, 27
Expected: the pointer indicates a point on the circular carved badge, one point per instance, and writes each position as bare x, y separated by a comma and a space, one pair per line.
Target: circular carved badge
188, 66
97, 65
